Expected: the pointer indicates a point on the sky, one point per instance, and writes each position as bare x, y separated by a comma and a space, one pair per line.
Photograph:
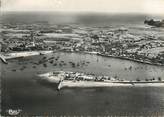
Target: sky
107, 6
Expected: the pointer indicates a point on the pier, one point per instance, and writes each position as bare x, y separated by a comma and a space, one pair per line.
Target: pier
59, 85
3, 59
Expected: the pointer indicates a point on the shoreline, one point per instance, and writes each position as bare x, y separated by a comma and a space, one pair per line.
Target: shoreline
130, 59
13, 55
89, 84
118, 57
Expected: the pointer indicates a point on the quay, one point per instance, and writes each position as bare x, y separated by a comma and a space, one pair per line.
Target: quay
15, 55
25, 54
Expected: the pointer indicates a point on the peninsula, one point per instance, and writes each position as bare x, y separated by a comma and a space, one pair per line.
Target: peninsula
155, 23
76, 79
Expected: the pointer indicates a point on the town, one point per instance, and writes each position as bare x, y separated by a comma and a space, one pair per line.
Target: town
144, 45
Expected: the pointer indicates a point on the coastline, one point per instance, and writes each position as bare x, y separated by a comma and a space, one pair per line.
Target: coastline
90, 84
13, 55
130, 59
118, 57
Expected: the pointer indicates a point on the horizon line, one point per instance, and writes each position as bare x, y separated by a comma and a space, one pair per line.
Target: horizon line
84, 12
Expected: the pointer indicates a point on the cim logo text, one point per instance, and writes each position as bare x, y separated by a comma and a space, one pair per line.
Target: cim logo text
14, 112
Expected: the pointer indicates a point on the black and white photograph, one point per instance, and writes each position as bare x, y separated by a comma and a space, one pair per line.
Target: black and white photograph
82, 58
